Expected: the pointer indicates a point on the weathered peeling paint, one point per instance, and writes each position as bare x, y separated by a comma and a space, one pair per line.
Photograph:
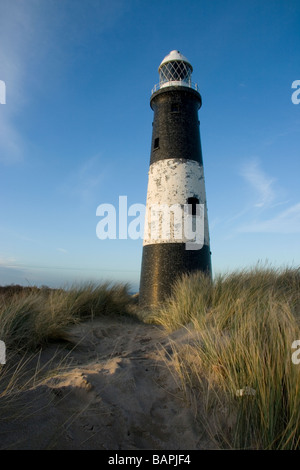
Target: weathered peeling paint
171, 182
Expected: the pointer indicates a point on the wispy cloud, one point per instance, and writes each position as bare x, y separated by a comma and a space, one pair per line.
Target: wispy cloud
10, 140
260, 216
264, 213
7, 261
62, 250
30, 32
287, 221
262, 184
17, 35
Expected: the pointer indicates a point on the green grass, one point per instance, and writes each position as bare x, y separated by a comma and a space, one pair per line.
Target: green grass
243, 325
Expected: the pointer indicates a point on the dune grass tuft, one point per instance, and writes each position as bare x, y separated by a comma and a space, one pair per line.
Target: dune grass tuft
239, 369
31, 317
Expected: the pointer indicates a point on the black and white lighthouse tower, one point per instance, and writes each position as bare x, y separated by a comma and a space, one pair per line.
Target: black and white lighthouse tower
176, 238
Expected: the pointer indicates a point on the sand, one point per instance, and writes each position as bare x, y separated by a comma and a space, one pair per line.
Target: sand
115, 390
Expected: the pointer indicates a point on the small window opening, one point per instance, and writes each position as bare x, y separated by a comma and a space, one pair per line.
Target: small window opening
156, 143
193, 203
174, 108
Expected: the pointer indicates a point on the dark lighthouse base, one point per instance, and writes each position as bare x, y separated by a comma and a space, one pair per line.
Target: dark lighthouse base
163, 263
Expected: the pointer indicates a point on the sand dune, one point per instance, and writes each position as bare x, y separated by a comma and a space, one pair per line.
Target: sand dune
117, 392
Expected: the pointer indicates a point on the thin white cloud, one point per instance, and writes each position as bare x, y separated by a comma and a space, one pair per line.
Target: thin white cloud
262, 184
287, 221
7, 261
30, 31
62, 250
264, 214
16, 38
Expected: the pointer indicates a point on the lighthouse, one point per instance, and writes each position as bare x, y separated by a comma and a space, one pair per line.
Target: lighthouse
176, 234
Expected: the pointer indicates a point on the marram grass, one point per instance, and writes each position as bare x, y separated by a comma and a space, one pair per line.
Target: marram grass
238, 369
29, 318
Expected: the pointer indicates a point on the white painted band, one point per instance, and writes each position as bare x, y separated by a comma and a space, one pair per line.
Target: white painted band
171, 182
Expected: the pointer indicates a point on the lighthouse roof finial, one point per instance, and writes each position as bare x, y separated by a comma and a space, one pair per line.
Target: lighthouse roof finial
175, 56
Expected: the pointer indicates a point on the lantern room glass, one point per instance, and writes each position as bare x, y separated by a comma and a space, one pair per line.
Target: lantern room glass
175, 71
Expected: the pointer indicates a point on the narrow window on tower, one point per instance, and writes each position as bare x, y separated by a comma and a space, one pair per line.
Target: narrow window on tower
193, 203
156, 143
174, 108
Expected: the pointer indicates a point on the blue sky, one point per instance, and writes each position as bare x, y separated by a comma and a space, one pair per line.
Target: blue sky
75, 131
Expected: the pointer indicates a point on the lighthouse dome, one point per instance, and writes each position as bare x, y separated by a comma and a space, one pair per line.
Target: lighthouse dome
175, 69
175, 56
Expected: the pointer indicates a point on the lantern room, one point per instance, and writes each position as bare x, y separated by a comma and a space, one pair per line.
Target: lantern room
175, 70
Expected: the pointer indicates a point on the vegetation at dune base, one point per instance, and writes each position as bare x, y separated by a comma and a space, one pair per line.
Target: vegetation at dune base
32, 316
238, 370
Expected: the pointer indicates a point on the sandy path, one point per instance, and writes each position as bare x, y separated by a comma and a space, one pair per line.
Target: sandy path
117, 393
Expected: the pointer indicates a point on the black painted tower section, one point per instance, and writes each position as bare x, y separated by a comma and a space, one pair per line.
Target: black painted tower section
176, 124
